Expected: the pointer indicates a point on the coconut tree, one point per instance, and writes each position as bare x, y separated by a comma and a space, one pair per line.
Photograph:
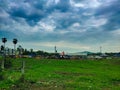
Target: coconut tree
15, 42
4, 40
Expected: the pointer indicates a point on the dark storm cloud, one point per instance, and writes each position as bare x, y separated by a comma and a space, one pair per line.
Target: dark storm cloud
111, 11
33, 11
81, 21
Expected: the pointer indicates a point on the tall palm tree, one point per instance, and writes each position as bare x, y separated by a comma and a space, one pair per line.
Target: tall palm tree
15, 42
4, 40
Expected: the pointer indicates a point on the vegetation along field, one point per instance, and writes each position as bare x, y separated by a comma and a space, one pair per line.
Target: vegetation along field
48, 74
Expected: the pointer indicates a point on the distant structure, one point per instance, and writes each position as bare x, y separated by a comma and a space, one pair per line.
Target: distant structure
55, 50
63, 53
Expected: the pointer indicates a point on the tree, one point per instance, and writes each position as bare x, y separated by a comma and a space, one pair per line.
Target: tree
26, 52
2, 47
15, 42
4, 40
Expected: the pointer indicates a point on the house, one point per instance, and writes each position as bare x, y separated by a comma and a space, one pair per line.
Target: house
78, 55
117, 55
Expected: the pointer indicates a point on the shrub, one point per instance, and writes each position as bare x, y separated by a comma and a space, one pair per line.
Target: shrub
8, 63
1, 74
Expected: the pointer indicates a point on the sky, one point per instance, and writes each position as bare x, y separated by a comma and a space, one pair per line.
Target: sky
70, 25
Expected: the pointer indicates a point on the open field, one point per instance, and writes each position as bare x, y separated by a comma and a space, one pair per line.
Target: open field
63, 75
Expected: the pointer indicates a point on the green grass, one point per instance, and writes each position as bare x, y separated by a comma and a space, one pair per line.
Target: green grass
66, 74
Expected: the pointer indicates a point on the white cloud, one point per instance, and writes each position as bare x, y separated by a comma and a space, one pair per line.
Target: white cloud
96, 22
51, 2
57, 1
46, 27
13, 4
47, 24
76, 25
93, 3
86, 4
116, 32
62, 44
24, 27
111, 45
21, 26
76, 28
76, 4
88, 13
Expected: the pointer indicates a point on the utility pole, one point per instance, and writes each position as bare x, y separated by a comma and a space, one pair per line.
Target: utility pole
55, 50
100, 50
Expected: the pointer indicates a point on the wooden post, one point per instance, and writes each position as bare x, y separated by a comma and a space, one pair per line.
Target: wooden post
23, 67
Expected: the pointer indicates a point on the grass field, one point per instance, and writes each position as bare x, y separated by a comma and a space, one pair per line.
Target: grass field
64, 75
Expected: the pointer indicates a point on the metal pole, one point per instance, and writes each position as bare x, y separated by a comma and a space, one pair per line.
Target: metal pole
100, 49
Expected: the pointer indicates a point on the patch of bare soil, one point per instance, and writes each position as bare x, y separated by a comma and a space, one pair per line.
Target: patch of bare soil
116, 82
74, 74
36, 86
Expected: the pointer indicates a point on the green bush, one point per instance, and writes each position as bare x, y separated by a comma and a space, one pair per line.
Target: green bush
8, 63
1, 74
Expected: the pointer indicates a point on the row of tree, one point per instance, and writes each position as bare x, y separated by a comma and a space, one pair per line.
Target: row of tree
6, 52
3, 49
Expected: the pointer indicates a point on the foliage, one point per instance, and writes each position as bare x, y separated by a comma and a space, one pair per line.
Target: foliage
1, 74
8, 63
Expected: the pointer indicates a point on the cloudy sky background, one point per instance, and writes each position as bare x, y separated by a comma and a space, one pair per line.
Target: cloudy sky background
71, 25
